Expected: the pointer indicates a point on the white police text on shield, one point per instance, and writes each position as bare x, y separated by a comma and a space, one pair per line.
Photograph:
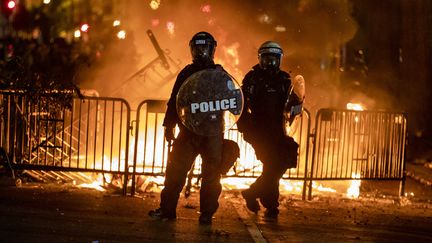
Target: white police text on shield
217, 105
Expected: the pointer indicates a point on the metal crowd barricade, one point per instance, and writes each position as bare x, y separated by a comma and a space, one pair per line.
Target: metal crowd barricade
151, 149
363, 145
92, 135
89, 136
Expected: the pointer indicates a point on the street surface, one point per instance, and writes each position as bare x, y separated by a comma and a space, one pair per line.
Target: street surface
42, 212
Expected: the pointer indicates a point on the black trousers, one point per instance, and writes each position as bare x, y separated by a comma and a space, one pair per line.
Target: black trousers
277, 153
266, 186
185, 149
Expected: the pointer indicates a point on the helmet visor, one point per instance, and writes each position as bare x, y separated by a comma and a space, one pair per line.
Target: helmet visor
269, 61
201, 51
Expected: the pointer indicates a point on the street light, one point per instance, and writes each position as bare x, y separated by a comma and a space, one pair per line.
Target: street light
8, 9
85, 27
154, 4
11, 4
116, 23
121, 34
77, 33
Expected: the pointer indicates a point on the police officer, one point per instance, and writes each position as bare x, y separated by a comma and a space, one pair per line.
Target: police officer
188, 145
266, 91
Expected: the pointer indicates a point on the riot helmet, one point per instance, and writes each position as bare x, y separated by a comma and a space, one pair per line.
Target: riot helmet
269, 55
202, 46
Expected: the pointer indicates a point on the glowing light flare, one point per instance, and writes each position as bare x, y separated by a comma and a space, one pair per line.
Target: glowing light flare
151, 183
354, 189
77, 33
63, 34
280, 28
206, 8
264, 19
155, 22
411, 194
290, 186
154, 4
211, 21
399, 119
355, 106
121, 34
322, 188
170, 27
84, 27
116, 23
46, 1
11, 4
36, 33
96, 184
232, 183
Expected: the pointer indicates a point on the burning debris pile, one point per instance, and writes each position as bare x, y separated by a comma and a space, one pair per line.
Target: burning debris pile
97, 181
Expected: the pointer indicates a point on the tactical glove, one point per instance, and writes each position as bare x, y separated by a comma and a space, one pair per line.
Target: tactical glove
169, 133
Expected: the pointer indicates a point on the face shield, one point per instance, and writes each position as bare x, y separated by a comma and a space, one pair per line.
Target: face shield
269, 61
202, 51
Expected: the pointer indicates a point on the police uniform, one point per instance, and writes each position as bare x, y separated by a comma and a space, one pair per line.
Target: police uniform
262, 125
188, 145
185, 148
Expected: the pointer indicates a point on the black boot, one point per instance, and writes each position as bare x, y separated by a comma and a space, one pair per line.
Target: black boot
205, 219
161, 214
271, 214
251, 201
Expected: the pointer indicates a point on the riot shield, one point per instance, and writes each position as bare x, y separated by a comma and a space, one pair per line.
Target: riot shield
294, 104
209, 102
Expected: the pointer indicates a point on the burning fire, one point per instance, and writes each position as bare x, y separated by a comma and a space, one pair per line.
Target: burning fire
354, 189
355, 106
152, 157
97, 184
157, 155
230, 60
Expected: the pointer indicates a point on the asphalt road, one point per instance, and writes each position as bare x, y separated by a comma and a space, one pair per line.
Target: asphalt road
64, 213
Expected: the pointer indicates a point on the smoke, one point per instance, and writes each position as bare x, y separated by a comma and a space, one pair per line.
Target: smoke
311, 33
